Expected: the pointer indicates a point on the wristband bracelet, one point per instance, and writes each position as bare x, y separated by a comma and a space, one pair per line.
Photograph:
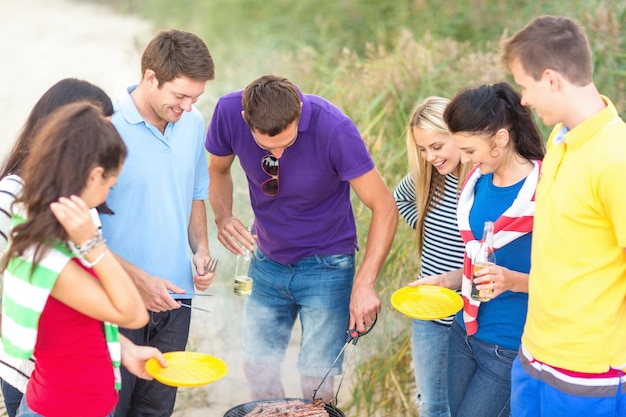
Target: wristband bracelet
90, 265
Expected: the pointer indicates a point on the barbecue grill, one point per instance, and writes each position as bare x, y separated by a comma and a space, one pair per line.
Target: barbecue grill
352, 337
243, 409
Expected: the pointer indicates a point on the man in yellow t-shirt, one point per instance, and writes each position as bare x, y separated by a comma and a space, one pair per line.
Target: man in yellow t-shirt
572, 361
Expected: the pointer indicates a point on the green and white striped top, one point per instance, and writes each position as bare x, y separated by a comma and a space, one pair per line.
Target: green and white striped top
25, 294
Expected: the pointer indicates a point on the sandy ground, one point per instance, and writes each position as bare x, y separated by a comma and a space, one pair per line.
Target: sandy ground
43, 41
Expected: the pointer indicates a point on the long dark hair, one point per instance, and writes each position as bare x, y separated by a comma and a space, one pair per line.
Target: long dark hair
71, 142
489, 108
68, 90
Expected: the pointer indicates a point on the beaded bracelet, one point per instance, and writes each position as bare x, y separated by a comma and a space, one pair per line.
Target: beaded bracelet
83, 249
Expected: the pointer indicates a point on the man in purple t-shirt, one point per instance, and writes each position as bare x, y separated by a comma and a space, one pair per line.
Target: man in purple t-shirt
301, 155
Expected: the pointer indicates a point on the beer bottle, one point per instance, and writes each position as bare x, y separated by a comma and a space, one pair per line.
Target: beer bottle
485, 257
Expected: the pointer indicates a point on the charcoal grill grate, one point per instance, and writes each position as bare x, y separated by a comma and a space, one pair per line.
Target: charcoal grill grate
243, 409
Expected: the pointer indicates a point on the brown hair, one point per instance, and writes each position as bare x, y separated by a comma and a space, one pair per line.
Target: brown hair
486, 109
176, 53
270, 104
73, 140
551, 42
429, 183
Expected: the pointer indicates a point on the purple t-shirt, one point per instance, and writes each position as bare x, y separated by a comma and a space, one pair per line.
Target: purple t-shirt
312, 213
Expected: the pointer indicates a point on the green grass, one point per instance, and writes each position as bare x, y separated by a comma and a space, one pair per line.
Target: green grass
376, 60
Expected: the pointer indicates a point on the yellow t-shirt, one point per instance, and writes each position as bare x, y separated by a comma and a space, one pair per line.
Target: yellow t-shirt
577, 288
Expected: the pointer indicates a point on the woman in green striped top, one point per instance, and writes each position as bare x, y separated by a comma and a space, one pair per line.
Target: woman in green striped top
63, 288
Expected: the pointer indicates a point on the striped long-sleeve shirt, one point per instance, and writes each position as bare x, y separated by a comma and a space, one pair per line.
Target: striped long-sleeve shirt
443, 248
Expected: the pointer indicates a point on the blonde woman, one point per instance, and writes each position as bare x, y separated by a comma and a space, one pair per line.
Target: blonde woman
427, 199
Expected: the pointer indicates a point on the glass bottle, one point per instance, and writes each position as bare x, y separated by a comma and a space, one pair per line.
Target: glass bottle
485, 257
243, 280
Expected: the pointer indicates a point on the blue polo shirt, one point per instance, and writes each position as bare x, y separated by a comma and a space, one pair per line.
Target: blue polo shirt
152, 199
312, 213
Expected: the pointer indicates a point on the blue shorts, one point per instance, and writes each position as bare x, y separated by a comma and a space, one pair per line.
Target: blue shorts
318, 289
533, 394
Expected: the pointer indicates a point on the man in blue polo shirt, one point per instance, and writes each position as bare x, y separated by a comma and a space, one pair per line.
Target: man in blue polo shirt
301, 156
158, 201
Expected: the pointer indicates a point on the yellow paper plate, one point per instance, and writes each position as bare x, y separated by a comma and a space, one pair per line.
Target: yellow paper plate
426, 302
187, 369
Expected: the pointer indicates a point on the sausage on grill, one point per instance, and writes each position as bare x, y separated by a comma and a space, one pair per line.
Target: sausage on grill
291, 408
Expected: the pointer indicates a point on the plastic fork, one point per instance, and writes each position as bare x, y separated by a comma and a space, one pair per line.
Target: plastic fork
211, 265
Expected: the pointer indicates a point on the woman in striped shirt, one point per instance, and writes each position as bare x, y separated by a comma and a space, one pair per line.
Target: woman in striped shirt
427, 198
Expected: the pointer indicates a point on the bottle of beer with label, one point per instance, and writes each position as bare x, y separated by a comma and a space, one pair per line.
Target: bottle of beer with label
485, 257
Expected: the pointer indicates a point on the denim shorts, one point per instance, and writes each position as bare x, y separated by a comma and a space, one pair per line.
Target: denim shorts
316, 288
12, 398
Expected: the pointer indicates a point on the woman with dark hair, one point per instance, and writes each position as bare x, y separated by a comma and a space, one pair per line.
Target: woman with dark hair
65, 293
15, 373
497, 135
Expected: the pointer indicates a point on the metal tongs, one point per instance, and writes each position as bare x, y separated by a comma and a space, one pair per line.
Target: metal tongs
353, 336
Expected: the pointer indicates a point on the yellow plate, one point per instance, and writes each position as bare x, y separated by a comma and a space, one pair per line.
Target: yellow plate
187, 369
426, 302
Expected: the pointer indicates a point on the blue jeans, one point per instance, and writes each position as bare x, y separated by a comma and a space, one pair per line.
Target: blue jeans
479, 376
168, 331
430, 364
317, 288
12, 398
25, 411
